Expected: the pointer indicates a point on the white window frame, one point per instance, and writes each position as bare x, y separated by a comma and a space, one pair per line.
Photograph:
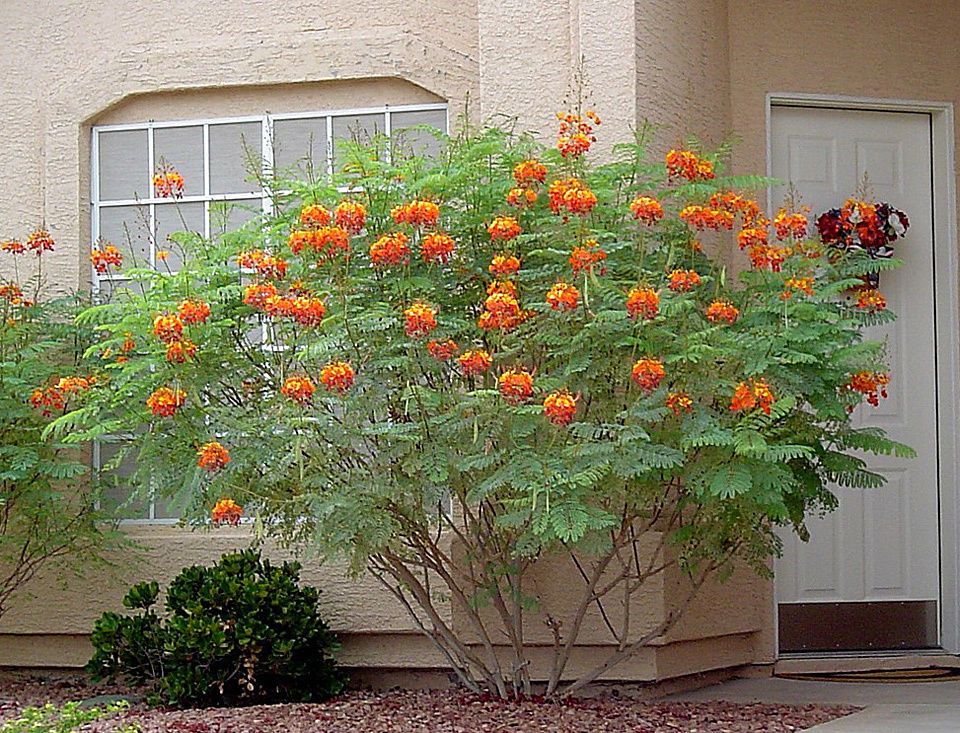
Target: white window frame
266, 121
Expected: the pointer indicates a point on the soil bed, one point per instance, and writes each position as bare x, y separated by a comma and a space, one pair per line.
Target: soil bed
434, 712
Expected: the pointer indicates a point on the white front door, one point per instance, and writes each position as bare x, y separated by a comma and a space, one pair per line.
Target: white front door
869, 578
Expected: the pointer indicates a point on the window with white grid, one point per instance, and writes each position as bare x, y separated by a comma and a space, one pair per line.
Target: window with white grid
218, 159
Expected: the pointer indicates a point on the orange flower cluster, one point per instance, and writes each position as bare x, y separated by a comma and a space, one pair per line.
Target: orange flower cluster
299, 388
13, 246
701, 218
327, 242
475, 361
178, 352
648, 373
584, 257
504, 265
560, 407
687, 164
437, 247
516, 386
872, 385
165, 401
104, 256
257, 295
643, 303
679, 402
501, 308
563, 296
529, 172
168, 183
314, 216
213, 457
871, 300
442, 350
40, 241
682, 281
350, 216
13, 294
305, 310
193, 311
734, 203
768, 257
571, 196
54, 398
722, 310
797, 285
337, 376
225, 511
575, 135
521, 197
390, 250
416, 213
265, 264
420, 319
504, 228
168, 327
646, 209
747, 397
791, 223
752, 237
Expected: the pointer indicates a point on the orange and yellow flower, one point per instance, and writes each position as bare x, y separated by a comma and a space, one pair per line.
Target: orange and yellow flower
563, 296
167, 182
687, 164
504, 228
586, 256
437, 247
679, 402
168, 327
791, 223
560, 407
722, 310
390, 250
314, 216
871, 300
257, 296
701, 217
442, 350
165, 401
643, 303
768, 257
682, 281
872, 385
419, 320
576, 133
752, 237
733, 203
104, 256
521, 197
225, 511
475, 361
571, 196
797, 285
504, 265
749, 396
178, 352
516, 386
325, 241
350, 216
13, 246
646, 209
40, 241
648, 373
193, 311
417, 213
528, 172
299, 388
337, 376
213, 457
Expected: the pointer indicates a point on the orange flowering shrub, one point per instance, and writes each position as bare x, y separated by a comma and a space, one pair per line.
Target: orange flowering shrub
531, 335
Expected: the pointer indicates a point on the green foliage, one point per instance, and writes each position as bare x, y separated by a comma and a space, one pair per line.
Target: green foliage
241, 631
371, 474
67, 718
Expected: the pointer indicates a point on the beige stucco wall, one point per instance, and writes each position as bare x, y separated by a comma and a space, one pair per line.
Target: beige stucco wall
78, 62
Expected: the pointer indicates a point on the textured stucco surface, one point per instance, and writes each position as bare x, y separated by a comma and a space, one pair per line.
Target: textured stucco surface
73, 63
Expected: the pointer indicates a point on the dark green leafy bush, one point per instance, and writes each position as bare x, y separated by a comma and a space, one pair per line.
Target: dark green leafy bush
240, 632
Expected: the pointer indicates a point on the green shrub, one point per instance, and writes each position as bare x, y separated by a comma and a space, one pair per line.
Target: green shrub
240, 632
52, 719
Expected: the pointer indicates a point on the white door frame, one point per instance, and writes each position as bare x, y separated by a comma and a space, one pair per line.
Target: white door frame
947, 310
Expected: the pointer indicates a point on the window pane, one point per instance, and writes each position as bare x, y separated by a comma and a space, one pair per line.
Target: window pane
418, 142
116, 491
235, 150
300, 148
127, 228
228, 216
181, 147
124, 165
176, 217
360, 128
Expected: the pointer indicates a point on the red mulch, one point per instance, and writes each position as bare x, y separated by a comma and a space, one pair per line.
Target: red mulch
437, 712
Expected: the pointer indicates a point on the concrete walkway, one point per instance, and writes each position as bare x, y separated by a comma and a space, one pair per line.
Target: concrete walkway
918, 707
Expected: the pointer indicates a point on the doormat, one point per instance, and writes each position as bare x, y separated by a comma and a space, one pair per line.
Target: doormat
899, 676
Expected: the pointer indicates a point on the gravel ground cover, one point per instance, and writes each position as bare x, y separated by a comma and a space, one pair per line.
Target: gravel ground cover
436, 712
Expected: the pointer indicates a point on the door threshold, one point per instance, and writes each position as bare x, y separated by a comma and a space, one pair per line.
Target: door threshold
819, 663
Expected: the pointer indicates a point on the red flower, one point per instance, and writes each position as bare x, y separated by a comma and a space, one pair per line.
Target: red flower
225, 511
700, 217
871, 300
797, 285
390, 250
476, 361
167, 182
746, 396
679, 402
314, 216
256, 296
337, 376
212, 457
40, 241
437, 247
504, 265
168, 327
521, 197
299, 388
350, 216
752, 237
872, 385
442, 350
648, 373
420, 319
646, 210
790, 224
178, 352
722, 310
560, 407
165, 401
575, 135
504, 228
686, 164
571, 195
643, 303
105, 256
416, 213
193, 311
13, 246
563, 296
586, 256
527, 172
683, 281
516, 386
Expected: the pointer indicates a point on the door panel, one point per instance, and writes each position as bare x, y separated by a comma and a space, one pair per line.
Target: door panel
880, 545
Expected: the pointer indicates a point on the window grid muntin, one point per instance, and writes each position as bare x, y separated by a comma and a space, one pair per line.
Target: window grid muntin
267, 158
